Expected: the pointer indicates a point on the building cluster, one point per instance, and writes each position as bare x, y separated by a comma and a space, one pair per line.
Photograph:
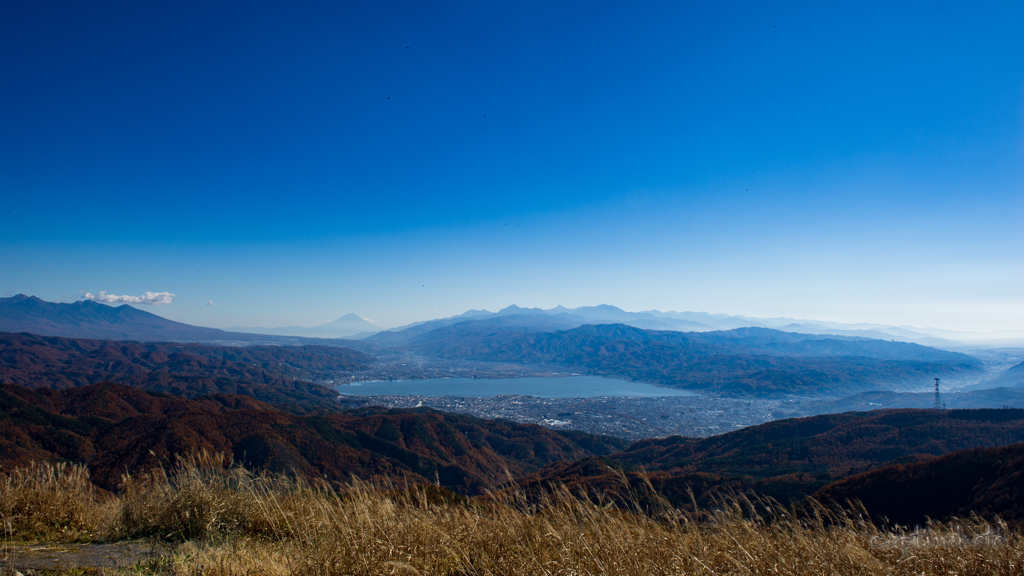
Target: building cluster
630, 418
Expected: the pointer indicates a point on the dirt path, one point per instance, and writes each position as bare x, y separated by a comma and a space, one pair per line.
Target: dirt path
34, 558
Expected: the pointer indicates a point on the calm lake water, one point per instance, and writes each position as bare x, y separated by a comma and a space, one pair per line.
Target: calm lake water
557, 387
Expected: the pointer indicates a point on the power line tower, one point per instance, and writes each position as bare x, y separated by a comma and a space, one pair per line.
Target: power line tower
937, 403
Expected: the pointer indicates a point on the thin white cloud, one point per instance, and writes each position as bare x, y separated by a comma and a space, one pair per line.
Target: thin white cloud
155, 298
208, 303
371, 321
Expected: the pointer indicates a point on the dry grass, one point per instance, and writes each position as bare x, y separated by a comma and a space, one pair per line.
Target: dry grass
53, 502
232, 522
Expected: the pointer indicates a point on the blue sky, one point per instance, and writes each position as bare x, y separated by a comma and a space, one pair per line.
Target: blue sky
407, 160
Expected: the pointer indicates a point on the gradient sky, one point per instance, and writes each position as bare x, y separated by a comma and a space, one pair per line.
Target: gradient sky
293, 162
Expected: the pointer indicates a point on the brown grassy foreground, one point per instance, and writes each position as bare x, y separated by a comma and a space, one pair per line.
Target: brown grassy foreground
228, 521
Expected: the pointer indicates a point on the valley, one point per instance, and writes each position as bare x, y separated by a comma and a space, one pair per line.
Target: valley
748, 409
623, 417
744, 376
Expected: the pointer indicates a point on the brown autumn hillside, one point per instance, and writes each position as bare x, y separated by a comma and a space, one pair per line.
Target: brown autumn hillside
280, 374
113, 428
831, 444
988, 482
790, 459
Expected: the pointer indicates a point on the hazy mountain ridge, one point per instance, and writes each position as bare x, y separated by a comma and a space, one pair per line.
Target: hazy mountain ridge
499, 323
1013, 378
749, 360
738, 361
688, 322
881, 399
347, 326
741, 340
87, 319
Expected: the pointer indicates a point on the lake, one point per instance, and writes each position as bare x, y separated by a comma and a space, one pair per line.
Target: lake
555, 387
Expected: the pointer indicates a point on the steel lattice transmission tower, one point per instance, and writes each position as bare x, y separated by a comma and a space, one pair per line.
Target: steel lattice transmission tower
937, 403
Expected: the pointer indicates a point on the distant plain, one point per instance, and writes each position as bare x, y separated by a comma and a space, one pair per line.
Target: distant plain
553, 387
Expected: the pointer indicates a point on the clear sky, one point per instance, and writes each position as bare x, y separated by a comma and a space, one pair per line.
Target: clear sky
292, 162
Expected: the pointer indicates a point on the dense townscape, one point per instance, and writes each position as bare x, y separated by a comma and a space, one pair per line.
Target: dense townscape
629, 418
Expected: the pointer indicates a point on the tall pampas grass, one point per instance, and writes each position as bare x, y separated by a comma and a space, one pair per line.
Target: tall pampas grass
226, 520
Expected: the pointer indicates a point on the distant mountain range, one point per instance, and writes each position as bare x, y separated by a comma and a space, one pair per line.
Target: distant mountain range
566, 318
88, 319
596, 340
739, 361
348, 326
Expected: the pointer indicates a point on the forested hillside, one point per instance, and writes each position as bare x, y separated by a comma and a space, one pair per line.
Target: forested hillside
988, 482
789, 459
741, 361
280, 374
114, 429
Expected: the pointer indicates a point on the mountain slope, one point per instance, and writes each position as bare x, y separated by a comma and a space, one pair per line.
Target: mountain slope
787, 459
1012, 378
683, 321
477, 337
114, 429
748, 360
880, 399
984, 481
88, 319
831, 443
271, 373
557, 318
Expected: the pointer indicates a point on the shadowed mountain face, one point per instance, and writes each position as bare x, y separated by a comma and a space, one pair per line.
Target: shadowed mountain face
790, 459
746, 360
832, 443
87, 319
115, 429
270, 373
988, 482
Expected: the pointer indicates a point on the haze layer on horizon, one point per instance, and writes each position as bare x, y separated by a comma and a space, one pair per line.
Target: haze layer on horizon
283, 166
